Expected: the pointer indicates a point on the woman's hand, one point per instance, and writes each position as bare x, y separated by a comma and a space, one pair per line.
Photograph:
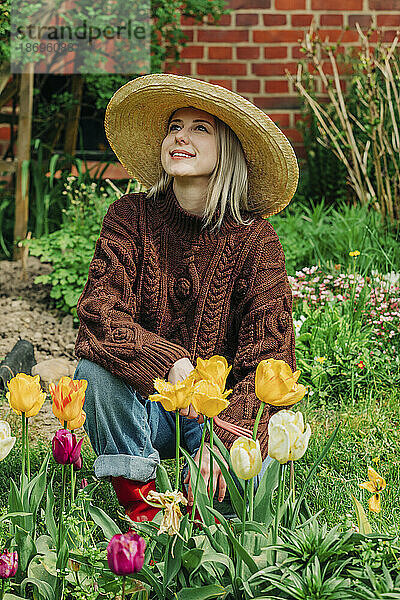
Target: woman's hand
205, 472
178, 372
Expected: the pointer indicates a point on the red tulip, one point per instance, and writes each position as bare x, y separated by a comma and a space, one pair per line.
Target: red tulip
125, 553
8, 564
66, 450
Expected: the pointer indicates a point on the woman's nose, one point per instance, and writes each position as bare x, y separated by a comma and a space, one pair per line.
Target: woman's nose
182, 136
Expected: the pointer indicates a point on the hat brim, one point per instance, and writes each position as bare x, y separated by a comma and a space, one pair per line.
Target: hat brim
136, 122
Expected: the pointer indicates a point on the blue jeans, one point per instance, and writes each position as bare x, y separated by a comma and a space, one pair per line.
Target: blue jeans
129, 433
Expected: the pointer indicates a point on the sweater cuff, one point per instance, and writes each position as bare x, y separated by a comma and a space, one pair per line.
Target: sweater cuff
157, 359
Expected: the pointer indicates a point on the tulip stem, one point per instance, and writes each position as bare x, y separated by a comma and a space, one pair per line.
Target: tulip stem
278, 507
123, 586
2, 589
72, 484
211, 480
198, 476
60, 575
177, 440
255, 429
23, 450
291, 486
28, 462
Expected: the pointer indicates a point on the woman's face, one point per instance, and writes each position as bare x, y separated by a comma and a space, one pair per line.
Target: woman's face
191, 132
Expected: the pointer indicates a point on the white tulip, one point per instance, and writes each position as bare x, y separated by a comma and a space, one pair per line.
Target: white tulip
288, 440
6, 439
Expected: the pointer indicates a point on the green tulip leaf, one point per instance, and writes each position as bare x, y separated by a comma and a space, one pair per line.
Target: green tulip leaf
103, 521
202, 496
162, 478
49, 512
263, 497
26, 547
192, 558
44, 589
235, 497
203, 593
363, 524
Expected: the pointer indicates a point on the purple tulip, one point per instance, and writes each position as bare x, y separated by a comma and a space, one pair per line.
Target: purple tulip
125, 553
78, 464
66, 450
8, 564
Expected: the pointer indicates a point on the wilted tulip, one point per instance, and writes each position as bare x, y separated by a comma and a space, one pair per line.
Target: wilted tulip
375, 485
246, 457
172, 396
68, 399
169, 501
66, 450
276, 384
6, 440
8, 564
25, 394
208, 399
125, 553
288, 440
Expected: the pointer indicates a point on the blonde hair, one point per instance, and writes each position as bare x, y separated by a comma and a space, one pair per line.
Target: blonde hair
227, 183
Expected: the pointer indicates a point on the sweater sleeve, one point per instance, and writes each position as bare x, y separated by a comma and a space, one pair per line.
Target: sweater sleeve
109, 333
266, 331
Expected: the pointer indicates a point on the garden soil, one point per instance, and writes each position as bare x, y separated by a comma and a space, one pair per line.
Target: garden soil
26, 312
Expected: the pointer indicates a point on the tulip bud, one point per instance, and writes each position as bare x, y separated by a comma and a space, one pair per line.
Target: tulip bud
125, 553
66, 450
288, 440
84, 483
8, 564
246, 457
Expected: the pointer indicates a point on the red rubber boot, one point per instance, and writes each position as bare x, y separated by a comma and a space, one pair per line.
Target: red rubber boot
128, 494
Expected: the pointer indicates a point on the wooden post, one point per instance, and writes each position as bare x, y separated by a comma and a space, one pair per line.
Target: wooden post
72, 123
23, 153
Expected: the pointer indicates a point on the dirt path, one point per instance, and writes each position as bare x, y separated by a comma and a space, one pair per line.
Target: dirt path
25, 313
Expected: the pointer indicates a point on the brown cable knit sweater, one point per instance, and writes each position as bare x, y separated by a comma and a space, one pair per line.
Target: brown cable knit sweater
159, 289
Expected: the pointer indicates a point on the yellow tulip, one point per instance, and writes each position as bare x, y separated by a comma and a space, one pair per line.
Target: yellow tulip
25, 395
288, 440
214, 369
172, 396
276, 384
246, 457
7, 441
375, 485
208, 399
68, 400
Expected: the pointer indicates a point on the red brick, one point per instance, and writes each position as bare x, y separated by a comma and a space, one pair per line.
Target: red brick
226, 83
301, 20
275, 52
363, 20
294, 135
221, 69
388, 36
384, 4
331, 20
248, 86
189, 34
337, 5
279, 36
276, 86
220, 52
290, 4
246, 20
334, 35
271, 20
179, 69
273, 68
193, 52
300, 117
278, 102
231, 36
248, 4
246, 52
389, 20
280, 119
224, 21
296, 52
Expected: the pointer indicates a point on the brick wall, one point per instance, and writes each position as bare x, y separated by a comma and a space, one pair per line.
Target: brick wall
249, 50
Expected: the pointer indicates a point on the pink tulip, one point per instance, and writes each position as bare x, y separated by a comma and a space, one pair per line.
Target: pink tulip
84, 483
66, 450
8, 564
125, 553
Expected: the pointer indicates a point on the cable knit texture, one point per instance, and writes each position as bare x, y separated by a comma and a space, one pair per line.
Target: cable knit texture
160, 288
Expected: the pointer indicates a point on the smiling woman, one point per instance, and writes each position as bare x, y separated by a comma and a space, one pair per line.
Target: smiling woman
189, 269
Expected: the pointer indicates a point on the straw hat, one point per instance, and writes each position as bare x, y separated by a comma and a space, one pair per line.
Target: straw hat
136, 123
